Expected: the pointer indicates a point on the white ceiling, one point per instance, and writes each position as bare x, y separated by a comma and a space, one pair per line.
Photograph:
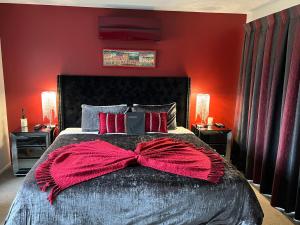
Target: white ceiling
226, 6
248, 7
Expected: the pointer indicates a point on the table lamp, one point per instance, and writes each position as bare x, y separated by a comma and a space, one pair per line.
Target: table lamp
202, 108
49, 106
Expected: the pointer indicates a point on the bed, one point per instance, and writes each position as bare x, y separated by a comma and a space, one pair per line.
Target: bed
136, 194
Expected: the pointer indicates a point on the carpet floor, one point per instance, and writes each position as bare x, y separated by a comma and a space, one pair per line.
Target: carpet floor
10, 184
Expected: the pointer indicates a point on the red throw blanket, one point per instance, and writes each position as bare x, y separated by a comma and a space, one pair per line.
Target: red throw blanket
76, 163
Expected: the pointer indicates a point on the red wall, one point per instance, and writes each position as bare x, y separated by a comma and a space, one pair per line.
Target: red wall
39, 42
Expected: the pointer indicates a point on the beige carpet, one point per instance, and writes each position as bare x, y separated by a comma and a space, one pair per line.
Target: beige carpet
9, 186
272, 215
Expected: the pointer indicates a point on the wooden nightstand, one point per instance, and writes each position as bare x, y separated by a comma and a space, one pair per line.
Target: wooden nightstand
27, 146
218, 138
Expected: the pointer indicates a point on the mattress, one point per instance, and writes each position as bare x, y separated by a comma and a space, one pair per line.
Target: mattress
138, 195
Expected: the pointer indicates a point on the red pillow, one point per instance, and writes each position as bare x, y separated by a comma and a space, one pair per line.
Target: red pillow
111, 123
156, 122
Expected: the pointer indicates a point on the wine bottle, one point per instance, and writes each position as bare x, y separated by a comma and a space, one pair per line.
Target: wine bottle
23, 119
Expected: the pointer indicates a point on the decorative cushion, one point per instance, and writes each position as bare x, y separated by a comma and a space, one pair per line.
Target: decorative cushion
169, 108
156, 122
111, 123
90, 115
135, 123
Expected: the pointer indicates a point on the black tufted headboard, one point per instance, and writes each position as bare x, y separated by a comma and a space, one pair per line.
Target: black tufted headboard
109, 90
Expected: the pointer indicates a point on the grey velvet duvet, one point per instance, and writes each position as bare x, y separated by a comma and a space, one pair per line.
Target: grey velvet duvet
138, 195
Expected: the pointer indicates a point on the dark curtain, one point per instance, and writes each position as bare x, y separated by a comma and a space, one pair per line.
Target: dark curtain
267, 122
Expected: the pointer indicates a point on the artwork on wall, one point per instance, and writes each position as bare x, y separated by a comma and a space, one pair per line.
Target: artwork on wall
129, 58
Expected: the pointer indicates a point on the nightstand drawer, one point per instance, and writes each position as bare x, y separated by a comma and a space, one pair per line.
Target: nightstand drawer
31, 141
220, 148
213, 137
30, 152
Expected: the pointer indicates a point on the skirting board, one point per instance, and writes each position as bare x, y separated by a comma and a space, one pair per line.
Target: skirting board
4, 168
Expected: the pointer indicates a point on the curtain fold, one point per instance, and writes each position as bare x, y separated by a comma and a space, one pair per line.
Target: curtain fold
243, 103
254, 95
267, 123
272, 123
266, 75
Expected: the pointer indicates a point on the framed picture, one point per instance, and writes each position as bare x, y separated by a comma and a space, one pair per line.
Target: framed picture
129, 58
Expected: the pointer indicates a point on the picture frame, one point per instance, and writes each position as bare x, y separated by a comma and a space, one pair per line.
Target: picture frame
129, 58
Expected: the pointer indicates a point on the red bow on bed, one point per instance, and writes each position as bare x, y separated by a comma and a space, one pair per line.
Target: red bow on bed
76, 163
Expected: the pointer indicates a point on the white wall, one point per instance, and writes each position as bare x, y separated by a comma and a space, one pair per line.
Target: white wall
270, 8
4, 135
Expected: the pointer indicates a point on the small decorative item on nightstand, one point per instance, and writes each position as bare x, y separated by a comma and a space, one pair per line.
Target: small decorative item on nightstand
27, 147
210, 121
219, 138
24, 123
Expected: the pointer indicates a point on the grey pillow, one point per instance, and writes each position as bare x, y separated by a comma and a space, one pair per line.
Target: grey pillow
90, 115
135, 123
169, 108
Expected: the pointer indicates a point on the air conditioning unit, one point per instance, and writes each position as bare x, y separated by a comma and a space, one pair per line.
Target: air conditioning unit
129, 29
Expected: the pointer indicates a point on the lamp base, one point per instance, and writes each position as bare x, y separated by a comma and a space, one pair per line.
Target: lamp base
50, 125
201, 126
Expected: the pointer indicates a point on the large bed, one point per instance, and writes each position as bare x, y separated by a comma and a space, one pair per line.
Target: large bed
136, 194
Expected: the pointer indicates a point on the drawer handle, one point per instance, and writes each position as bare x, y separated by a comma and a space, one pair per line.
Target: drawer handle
22, 138
26, 137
